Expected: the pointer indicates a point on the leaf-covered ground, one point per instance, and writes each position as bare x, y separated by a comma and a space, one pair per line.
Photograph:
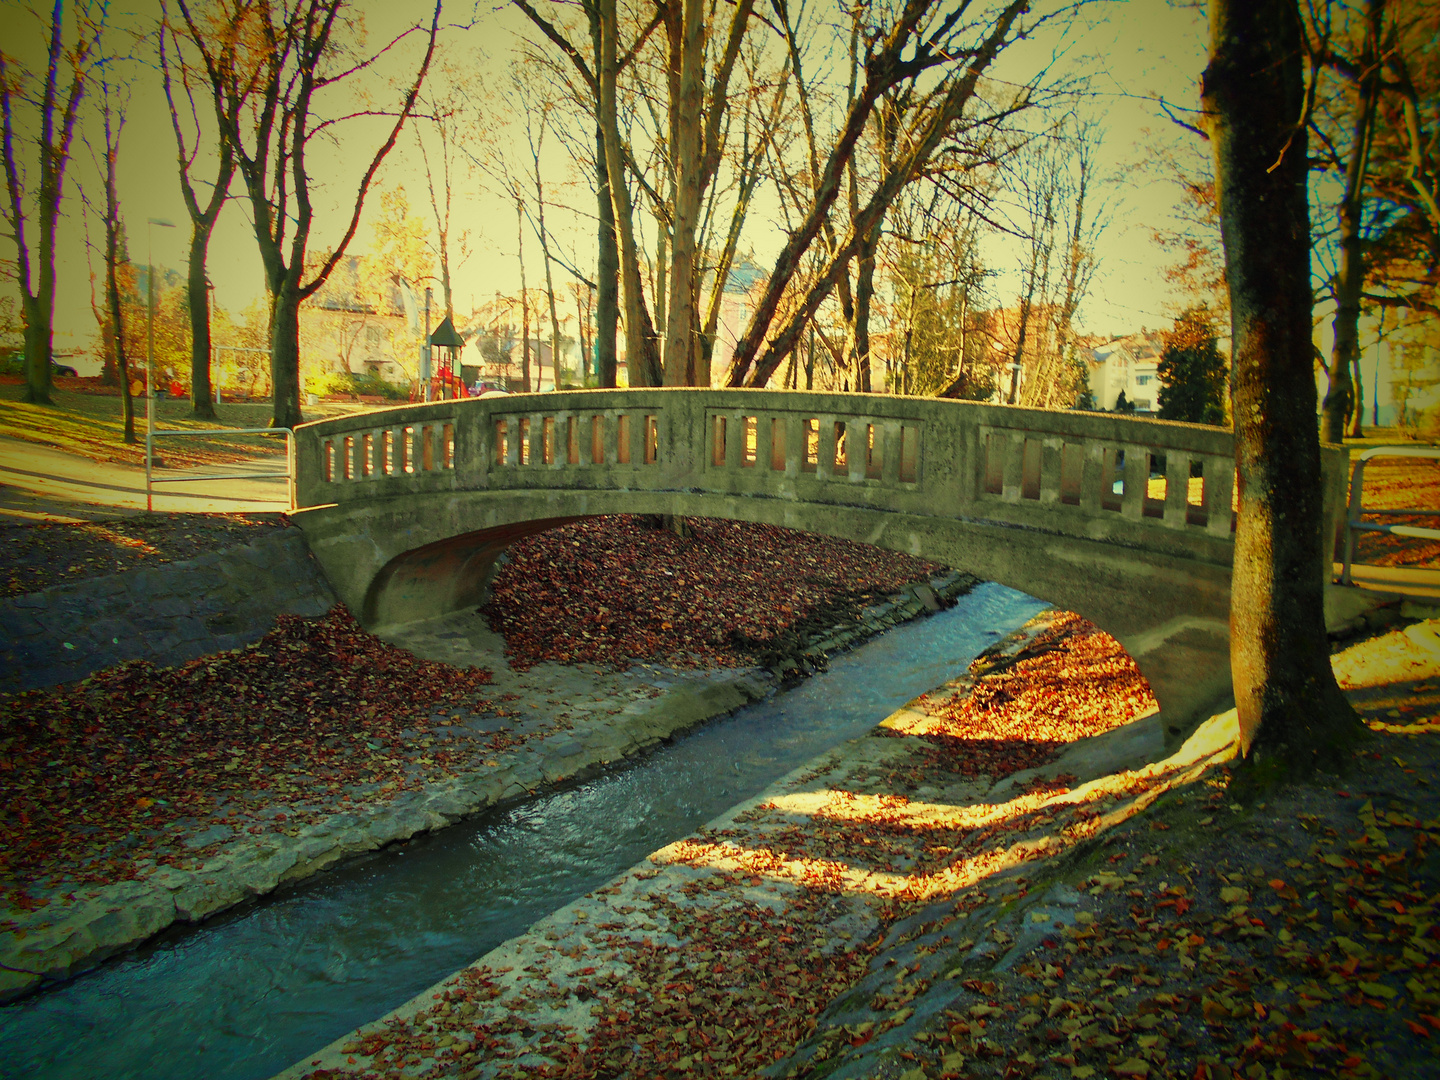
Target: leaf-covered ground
1400, 484
614, 590
136, 759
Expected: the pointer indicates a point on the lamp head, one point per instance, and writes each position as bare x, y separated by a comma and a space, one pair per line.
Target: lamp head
164, 223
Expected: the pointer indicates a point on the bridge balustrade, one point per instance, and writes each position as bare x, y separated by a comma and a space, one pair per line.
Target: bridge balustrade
1149, 483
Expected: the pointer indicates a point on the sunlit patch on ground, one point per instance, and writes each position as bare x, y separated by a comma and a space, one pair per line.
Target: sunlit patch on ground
1197, 937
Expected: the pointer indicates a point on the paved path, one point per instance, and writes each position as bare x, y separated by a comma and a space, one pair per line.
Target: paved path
1408, 581
42, 483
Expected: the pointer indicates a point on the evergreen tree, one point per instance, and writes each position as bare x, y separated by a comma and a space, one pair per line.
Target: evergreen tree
1192, 371
1124, 404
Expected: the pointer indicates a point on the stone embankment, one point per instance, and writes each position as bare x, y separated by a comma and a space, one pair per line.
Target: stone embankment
167, 614
570, 722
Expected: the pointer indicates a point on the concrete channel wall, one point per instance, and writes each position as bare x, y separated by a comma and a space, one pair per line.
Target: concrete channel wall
166, 614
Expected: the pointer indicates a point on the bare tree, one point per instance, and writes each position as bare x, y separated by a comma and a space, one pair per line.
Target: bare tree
35, 108
114, 106
918, 41
265, 79
202, 215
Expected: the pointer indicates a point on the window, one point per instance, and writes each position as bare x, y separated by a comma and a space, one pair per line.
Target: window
1143, 380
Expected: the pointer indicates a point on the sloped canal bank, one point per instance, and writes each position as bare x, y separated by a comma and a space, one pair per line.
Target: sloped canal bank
249, 993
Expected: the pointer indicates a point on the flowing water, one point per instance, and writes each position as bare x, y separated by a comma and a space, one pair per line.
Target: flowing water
251, 992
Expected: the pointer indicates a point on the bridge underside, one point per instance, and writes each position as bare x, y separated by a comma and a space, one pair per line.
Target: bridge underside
395, 561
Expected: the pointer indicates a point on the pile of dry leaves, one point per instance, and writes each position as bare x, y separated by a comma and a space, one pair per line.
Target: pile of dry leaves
614, 590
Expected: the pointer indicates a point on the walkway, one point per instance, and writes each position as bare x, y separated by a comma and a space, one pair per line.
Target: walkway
40, 483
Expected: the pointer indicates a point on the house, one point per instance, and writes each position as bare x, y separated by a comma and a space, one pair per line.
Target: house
358, 323
737, 303
1127, 365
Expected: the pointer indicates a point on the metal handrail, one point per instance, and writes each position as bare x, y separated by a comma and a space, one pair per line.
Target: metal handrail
155, 433
1355, 508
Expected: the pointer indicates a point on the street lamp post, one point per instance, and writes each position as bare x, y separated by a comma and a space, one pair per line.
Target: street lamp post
150, 355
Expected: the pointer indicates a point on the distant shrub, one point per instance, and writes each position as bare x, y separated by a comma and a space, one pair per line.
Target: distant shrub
344, 383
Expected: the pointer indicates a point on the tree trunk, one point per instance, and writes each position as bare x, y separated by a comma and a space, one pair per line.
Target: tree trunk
682, 316
524, 304
642, 359
285, 356
37, 351
1358, 412
1349, 278
1292, 715
117, 322
202, 397
864, 292
607, 301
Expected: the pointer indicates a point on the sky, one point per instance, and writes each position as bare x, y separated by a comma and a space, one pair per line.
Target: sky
1134, 51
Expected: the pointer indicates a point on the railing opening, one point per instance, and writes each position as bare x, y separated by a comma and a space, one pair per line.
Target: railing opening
1112, 479
841, 463
622, 440
1156, 485
547, 441
329, 462
407, 440
996, 444
349, 457
874, 453
572, 440
777, 444
652, 440
1195, 496
1072, 473
367, 454
502, 442
1030, 469
812, 446
717, 443
747, 454
597, 440
447, 446
909, 454
525, 441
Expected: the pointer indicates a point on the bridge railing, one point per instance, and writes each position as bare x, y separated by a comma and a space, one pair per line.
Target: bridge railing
1151, 483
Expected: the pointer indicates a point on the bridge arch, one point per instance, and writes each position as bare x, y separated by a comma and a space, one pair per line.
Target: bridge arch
1125, 521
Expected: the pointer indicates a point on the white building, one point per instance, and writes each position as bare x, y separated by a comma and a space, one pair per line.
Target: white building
1127, 365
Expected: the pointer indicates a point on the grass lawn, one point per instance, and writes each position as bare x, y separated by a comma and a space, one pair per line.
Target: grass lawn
91, 425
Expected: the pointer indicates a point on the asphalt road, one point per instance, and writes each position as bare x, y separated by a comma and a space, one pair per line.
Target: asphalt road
40, 483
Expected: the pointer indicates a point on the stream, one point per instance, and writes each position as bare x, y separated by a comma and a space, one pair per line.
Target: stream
252, 991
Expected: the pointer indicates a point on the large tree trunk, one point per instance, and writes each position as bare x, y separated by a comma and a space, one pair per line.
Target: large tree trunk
642, 358
1345, 351
202, 396
285, 356
116, 311
37, 350
607, 271
1291, 713
682, 316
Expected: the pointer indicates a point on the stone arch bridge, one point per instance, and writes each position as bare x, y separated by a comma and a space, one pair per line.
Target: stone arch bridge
1126, 521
